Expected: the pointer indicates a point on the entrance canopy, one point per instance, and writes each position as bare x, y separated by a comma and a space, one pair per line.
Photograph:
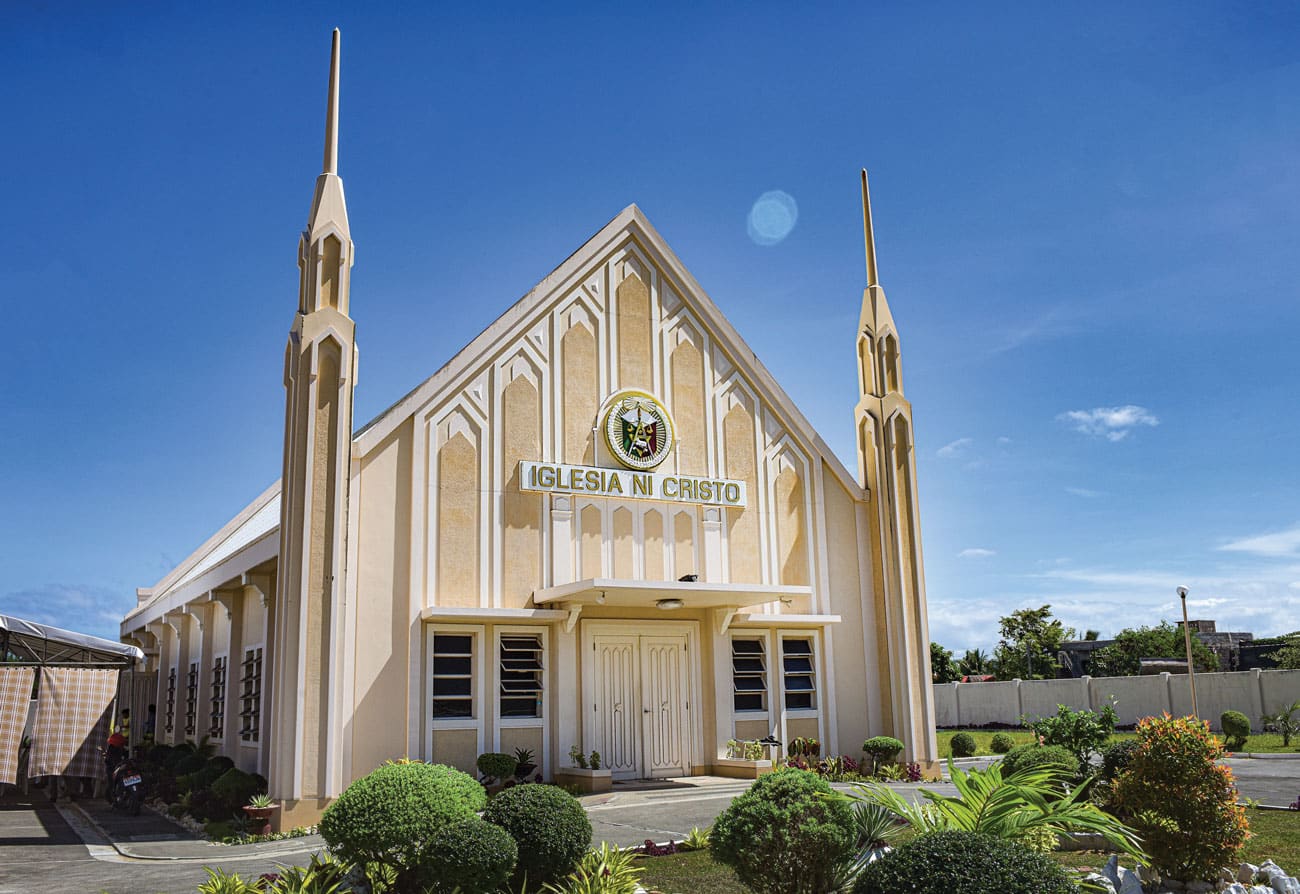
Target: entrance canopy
648, 594
28, 643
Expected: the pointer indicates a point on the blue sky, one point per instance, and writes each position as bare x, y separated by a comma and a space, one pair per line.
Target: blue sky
1087, 223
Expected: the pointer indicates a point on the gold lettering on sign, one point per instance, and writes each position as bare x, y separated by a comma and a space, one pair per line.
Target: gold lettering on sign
539, 477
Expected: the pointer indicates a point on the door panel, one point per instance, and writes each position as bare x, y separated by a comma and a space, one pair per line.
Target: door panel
663, 681
617, 711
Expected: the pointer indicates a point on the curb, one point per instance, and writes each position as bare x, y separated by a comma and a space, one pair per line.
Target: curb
94, 824
1266, 755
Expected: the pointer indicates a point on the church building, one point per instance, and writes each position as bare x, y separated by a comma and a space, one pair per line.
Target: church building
601, 525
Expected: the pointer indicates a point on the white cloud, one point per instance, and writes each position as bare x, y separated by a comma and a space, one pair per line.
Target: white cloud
1084, 492
976, 553
1004, 440
1111, 423
955, 448
85, 608
1279, 543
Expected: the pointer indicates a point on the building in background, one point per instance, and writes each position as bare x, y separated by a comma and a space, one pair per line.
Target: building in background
602, 524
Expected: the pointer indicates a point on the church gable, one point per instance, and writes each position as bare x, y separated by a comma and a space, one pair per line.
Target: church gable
619, 314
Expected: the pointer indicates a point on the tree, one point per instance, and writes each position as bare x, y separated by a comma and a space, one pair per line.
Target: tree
974, 663
942, 668
1031, 639
1288, 657
1122, 658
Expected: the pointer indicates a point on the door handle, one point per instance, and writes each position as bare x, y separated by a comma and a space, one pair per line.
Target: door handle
645, 710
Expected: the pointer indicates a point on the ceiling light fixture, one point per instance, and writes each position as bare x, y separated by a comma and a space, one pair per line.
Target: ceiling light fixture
669, 604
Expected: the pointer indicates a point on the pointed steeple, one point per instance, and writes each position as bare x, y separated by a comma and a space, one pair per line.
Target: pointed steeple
332, 115
868, 233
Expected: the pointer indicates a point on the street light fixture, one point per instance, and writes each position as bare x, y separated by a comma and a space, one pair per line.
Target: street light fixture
1187, 640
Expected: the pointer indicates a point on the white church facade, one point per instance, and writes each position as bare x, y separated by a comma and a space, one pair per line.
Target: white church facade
602, 525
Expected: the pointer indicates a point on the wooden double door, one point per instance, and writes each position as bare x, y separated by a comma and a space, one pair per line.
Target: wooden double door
638, 698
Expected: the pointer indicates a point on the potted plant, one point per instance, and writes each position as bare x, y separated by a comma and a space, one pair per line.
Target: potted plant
744, 760
586, 775
526, 763
259, 809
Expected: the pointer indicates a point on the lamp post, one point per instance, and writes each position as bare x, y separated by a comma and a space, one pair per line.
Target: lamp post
1187, 639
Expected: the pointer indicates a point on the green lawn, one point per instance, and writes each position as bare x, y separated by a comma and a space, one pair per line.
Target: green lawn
1270, 743
1275, 836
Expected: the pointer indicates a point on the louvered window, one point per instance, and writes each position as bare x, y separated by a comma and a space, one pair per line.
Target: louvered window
521, 675
453, 678
171, 701
192, 699
217, 714
749, 674
800, 677
250, 696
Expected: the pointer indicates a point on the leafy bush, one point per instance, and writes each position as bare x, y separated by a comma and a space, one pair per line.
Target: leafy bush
392, 814
1002, 743
963, 745
1016, 807
964, 863
785, 834
1023, 757
608, 870
234, 787
881, 749
548, 824
200, 780
1181, 801
1115, 758
1083, 733
469, 857
220, 762
495, 765
1236, 729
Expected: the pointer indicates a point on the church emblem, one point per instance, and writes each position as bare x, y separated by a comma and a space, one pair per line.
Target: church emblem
638, 429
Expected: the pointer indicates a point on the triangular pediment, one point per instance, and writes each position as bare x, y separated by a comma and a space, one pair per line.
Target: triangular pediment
627, 264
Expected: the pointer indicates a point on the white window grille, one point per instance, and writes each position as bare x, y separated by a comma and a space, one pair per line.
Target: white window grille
800, 675
217, 714
453, 678
749, 674
250, 695
521, 675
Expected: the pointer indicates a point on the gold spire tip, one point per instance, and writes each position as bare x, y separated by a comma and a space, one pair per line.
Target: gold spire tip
332, 112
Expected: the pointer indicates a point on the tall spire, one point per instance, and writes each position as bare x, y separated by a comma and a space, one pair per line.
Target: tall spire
332, 114
872, 277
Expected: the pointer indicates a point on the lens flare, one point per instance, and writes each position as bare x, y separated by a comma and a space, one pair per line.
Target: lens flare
773, 217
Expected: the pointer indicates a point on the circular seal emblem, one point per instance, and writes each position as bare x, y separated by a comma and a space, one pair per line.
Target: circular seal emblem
638, 429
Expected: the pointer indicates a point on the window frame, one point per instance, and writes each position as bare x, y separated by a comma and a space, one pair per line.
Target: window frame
193, 681
501, 721
478, 662
224, 659
260, 712
761, 638
818, 683
173, 676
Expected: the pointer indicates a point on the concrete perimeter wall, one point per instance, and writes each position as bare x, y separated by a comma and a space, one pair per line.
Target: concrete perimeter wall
1253, 693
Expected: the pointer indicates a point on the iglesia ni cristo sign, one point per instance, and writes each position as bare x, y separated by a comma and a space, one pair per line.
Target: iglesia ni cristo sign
640, 435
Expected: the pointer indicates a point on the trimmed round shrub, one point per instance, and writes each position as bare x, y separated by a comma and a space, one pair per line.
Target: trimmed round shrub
1001, 743
158, 755
234, 787
390, 815
1236, 729
189, 763
1181, 801
549, 826
497, 765
200, 780
882, 748
220, 762
786, 834
1115, 758
963, 745
1022, 757
469, 857
964, 863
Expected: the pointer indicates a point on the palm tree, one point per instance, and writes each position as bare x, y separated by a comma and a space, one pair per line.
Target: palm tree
974, 662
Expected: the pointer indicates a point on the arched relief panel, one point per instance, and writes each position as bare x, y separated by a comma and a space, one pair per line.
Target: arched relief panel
520, 427
624, 545
740, 462
331, 273
652, 526
906, 625
581, 387
687, 401
591, 539
456, 524
790, 514
685, 552
889, 375
866, 364
635, 324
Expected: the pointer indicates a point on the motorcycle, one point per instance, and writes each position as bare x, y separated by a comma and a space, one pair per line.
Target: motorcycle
126, 786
